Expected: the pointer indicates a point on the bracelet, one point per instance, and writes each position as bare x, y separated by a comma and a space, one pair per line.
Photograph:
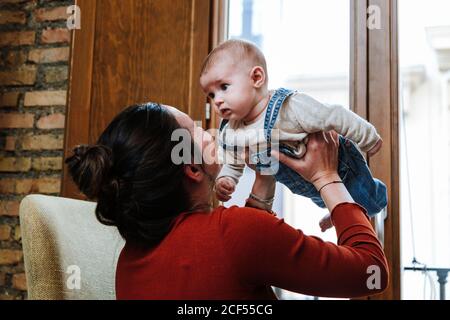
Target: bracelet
269, 210
327, 184
267, 202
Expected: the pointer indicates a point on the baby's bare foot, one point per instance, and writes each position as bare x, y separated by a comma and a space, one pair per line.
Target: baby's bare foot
325, 223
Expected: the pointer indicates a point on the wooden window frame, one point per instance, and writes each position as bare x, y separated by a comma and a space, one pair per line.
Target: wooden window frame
374, 96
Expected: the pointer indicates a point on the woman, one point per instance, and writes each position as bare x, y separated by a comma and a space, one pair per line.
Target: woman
179, 247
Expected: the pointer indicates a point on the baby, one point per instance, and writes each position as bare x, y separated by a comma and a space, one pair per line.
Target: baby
234, 77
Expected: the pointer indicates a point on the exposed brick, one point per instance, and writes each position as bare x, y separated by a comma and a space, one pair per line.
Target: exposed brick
17, 38
27, 35
46, 185
30, 5
49, 55
23, 76
10, 256
15, 186
56, 74
13, 1
5, 232
9, 99
15, 164
19, 281
21, 186
55, 35
47, 163
7, 186
16, 120
10, 144
52, 121
7, 17
51, 14
42, 142
45, 98
14, 59
9, 208
17, 233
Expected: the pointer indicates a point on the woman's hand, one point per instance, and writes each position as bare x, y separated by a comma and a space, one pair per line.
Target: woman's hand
319, 164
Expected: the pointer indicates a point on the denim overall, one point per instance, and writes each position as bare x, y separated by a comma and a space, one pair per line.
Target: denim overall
364, 188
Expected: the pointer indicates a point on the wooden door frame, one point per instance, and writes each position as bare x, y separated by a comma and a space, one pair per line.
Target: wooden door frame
219, 33
374, 96
79, 112
79, 93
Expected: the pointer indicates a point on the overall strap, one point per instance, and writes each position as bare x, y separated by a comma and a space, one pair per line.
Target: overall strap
223, 124
273, 109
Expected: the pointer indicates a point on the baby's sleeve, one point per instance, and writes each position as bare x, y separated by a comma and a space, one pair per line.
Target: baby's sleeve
314, 116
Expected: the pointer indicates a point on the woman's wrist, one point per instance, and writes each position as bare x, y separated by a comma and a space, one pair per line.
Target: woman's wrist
332, 189
262, 193
264, 187
250, 202
325, 179
334, 194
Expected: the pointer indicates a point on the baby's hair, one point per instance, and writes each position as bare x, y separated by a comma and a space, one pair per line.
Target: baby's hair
241, 51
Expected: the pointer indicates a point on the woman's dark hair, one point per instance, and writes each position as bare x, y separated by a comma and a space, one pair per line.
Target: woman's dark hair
130, 173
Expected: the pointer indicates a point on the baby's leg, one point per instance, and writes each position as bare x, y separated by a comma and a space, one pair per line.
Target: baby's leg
326, 223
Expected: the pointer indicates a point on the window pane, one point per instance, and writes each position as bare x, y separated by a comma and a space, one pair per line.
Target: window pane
307, 47
424, 35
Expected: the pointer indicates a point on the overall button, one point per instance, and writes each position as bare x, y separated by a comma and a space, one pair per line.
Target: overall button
255, 158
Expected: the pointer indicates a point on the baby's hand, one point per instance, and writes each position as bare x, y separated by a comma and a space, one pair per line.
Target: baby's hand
225, 186
375, 148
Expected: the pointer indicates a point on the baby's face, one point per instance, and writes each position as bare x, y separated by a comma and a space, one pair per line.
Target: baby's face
229, 87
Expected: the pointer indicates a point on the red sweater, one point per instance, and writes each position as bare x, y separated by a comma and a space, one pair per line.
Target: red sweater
238, 253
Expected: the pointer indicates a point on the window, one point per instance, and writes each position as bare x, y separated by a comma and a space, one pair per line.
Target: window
424, 58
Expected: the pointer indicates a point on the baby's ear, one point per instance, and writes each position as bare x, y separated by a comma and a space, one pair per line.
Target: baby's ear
258, 76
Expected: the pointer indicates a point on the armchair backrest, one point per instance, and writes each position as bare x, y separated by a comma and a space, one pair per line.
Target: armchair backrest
68, 254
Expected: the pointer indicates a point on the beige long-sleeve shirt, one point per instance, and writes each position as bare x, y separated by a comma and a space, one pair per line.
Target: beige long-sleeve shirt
299, 116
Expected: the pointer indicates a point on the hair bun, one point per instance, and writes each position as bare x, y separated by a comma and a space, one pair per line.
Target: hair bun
90, 168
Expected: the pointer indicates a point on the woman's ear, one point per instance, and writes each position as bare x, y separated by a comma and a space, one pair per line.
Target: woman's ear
193, 172
258, 76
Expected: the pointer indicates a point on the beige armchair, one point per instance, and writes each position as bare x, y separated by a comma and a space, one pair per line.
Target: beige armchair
68, 254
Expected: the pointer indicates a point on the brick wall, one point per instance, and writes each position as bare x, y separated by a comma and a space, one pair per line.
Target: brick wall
34, 52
